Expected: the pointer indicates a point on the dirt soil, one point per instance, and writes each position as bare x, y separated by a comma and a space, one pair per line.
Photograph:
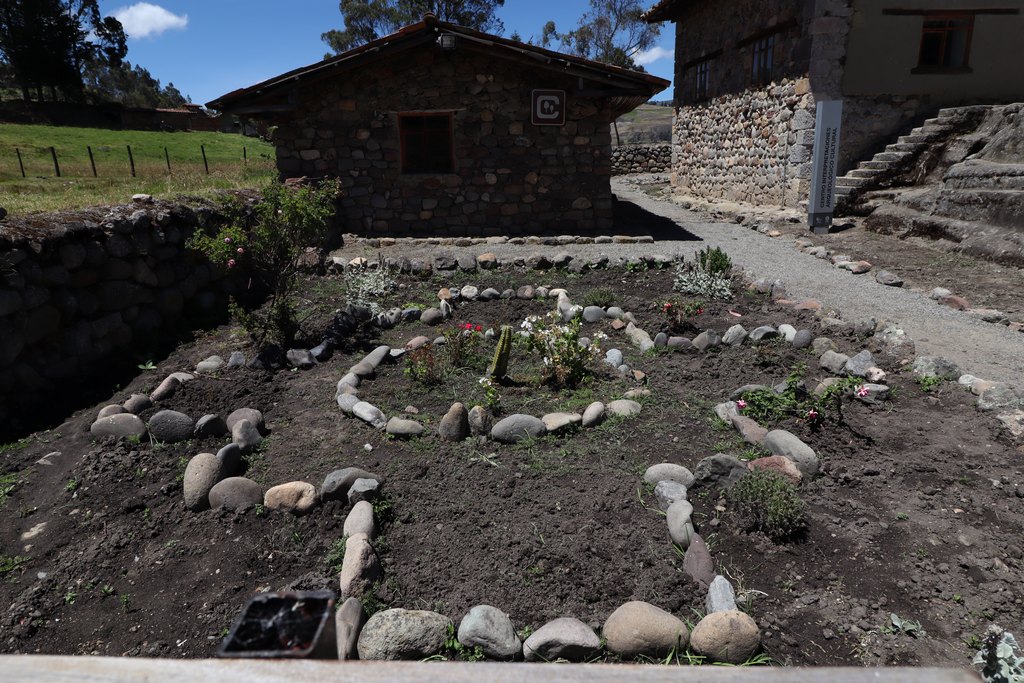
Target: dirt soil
917, 511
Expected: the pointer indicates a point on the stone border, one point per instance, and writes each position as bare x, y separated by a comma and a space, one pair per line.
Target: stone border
724, 634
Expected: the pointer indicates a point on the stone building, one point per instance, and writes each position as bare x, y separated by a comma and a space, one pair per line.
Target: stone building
438, 129
748, 73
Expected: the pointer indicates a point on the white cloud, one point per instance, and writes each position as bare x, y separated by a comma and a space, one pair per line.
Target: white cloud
144, 20
645, 57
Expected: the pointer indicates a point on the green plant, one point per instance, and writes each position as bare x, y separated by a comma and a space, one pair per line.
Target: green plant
371, 601
709, 275
768, 406
259, 510
8, 482
421, 366
499, 364
461, 349
364, 285
72, 485
602, 297
769, 503
70, 596
714, 261
148, 365
566, 361
929, 383
269, 242
106, 589
492, 399
453, 649
902, 516
336, 555
126, 601
999, 659
10, 564
905, 626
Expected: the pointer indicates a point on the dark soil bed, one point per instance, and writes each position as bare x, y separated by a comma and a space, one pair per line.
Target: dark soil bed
917, 511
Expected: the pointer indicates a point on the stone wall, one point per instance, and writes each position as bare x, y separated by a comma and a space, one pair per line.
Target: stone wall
511, 177
641, 159
752, 146
81, 292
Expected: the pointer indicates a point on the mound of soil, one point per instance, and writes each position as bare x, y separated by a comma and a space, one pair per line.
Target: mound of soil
917, 511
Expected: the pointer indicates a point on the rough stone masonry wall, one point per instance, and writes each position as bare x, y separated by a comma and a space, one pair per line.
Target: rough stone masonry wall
78, 290
511, 178
641, 159
753, 146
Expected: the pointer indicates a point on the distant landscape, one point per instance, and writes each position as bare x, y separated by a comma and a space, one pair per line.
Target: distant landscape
651, 122
233, 161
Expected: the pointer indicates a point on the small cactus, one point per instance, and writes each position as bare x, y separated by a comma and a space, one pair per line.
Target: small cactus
499, 366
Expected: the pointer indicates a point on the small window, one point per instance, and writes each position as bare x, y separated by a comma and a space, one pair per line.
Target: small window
700, 80
946, 41
426, 143
764, 57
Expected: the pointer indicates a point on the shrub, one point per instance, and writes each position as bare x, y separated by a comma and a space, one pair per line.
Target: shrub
603, 297
267, 243
421, 365
681, 317
999, 660
767, 502
708, 276
714, 261
566, 361
364, 286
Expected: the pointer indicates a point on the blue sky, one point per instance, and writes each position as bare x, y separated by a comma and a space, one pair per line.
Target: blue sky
211, 47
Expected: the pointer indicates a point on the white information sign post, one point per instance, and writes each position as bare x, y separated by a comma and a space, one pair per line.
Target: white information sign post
826, 157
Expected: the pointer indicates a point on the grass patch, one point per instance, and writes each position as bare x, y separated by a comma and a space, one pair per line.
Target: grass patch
8, 482
41, 190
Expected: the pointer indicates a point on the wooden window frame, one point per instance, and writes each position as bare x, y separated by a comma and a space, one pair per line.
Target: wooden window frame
701, 82
944, 32
762, 64
407, 138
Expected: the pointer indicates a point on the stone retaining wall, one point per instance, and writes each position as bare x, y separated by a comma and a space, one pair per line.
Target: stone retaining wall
641, 159
82, 292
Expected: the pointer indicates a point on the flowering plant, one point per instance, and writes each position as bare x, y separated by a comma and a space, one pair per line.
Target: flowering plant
491, 396
566, 361
681, 316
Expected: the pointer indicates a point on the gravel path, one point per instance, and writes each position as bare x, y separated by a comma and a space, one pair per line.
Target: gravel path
987, 350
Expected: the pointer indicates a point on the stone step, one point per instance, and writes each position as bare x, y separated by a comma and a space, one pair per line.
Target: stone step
846, 181
890, 156
915, 139
957, 112
910, 147
863, 173
878, 164
844, 190
933, 122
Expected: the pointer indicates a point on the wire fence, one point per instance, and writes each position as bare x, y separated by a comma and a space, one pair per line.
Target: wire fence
123, 161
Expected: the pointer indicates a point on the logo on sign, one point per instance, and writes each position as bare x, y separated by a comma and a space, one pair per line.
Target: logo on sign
548, 108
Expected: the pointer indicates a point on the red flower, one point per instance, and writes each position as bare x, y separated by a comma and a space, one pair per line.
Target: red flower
469, 326
479, 328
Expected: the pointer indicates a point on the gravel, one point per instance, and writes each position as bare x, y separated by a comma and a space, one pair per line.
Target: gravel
983, 349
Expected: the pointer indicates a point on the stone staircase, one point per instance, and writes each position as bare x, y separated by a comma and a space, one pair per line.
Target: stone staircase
898, 157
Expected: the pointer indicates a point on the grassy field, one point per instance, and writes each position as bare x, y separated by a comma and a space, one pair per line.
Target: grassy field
646, 123
42, 190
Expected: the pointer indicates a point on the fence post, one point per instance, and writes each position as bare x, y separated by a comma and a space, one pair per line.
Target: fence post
56, 166
92, 162
206, 165
245, 156
131, 159
21, 164
167, 158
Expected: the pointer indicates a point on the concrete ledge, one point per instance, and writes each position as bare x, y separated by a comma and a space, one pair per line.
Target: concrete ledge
33, 669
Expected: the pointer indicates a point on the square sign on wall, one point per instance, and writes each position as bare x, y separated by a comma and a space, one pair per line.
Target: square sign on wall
548, 108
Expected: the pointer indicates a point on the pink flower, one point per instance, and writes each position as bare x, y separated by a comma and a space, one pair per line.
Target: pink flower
227, 240
863, 390
240, 250
812, 414
741, 404
469, 326
479, 328
231, 263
